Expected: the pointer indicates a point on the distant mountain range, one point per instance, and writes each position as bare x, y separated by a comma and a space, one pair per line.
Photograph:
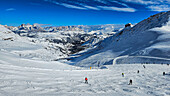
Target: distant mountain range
86, 28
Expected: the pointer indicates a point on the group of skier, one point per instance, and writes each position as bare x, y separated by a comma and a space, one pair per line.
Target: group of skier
130, 82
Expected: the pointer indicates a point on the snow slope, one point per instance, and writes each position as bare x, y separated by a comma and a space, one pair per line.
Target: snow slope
23, 77
11, 59
55, 43
29, 48
27, 77
149, 37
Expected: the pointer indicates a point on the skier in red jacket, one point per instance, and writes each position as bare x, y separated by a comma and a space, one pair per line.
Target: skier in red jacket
86, 80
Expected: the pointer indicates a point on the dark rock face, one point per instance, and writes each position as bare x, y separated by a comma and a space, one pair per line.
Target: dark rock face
128, 25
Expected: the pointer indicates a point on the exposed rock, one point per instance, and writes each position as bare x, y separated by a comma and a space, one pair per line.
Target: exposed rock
128, 25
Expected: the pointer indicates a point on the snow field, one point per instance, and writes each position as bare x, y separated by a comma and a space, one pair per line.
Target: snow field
30, 81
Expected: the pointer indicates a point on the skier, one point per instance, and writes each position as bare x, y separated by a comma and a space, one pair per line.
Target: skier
86, 80
130, 82
163, 73
122, 74
98, 64
144, 66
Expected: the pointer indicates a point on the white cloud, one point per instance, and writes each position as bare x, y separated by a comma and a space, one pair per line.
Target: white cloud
118, 9
101, 1
10, 9
159, 8
72, 6
90, 7
153, 5
120, 3
145, 2
84, 6
37, 24
67, 5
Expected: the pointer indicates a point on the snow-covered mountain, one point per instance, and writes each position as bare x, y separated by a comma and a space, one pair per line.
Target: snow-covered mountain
107, 28
29, 48
149, 37
54, 43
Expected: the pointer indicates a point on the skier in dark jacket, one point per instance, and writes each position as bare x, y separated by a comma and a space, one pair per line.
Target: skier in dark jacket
130, 82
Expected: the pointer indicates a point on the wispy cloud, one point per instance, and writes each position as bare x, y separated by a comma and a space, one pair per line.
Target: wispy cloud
91, 7
126, 5
72, 6
145, 2
37, 24
10, 9
159, 8
118, 9
153, 5
123, 4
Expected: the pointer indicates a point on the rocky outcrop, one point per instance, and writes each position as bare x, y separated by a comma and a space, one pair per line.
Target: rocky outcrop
128, 25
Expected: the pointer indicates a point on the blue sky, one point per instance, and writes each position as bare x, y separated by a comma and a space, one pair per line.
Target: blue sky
78, 12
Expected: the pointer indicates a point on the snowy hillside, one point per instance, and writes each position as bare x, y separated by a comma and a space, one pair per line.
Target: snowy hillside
55, 43
24, 77
28, 48
149, 37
